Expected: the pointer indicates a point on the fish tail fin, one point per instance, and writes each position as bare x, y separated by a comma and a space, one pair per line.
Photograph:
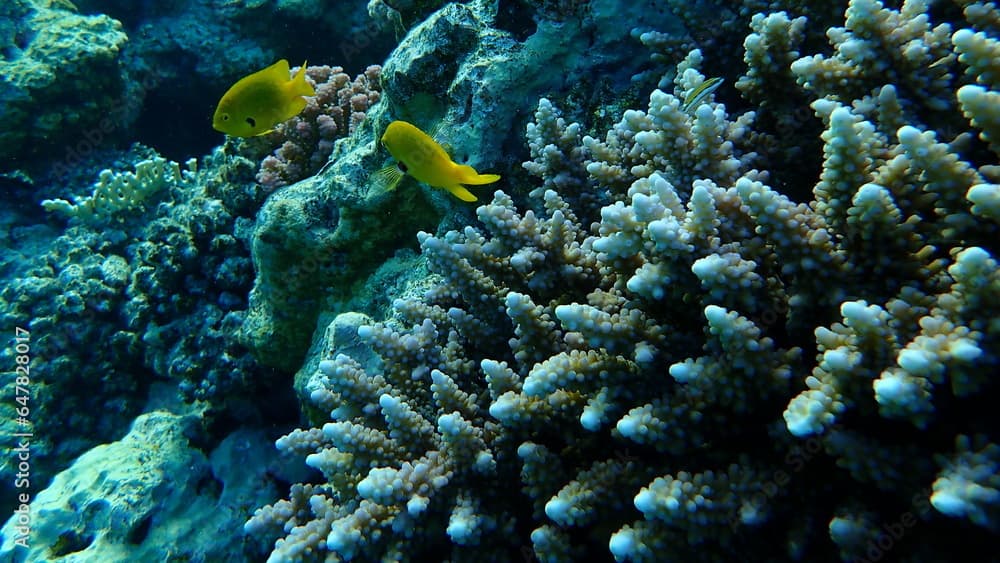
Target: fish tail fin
468, 175
386, 178
300, 86
460, 192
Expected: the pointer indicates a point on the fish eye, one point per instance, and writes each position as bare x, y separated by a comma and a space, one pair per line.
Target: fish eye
251, 121
225, 117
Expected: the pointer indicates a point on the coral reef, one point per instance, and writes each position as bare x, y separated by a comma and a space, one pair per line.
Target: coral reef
969, 484
696, 366
401, 15
305, 141
81, 82
316, 241
129, 295
755, 323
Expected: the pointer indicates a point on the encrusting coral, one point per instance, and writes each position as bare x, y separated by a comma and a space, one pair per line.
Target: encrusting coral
695, 365
64, 85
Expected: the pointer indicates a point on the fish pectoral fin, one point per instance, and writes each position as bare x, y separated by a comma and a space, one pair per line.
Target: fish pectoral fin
438, 134
459, 191
386, 178
262, 133
435, 131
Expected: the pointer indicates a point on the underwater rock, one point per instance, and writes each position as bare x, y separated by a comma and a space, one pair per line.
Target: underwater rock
64, 87
151, 496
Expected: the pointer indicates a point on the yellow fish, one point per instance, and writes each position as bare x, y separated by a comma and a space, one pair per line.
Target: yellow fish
256, 103
420, 156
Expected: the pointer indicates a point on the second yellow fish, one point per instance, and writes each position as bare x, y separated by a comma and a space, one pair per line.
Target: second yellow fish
423, 158
256, 103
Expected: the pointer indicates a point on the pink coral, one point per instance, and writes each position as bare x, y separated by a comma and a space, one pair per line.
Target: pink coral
306, 140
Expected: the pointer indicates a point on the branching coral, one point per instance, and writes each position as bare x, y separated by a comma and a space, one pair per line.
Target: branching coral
968, 485
123, 192
674, 368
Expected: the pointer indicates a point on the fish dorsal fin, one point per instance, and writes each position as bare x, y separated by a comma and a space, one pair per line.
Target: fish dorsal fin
299, 85
278, 70
281, 67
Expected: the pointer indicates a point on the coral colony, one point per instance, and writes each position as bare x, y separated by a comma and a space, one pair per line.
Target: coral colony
735, 296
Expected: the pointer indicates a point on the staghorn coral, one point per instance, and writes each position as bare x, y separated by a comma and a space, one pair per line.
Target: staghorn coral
717, 27
749, 373
878, 45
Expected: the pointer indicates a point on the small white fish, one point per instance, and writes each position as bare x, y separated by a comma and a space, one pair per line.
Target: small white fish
698, 95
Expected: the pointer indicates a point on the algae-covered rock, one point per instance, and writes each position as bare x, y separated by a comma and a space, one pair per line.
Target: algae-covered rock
150, 496
403, 13
62, 86
316, 242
